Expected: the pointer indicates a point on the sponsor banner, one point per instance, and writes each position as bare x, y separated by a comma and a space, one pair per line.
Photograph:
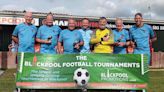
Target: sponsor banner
73, 71
94, 24
16, 21
64, 23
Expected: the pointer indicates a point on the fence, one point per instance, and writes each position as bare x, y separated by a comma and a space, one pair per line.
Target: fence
157, 60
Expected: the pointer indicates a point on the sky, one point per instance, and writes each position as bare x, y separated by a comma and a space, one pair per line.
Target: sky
151, 9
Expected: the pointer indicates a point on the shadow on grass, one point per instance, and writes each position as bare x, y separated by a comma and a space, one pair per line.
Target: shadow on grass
7, 83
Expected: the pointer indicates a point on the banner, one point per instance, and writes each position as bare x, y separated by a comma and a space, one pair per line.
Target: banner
16, 20
73, 71
64, 22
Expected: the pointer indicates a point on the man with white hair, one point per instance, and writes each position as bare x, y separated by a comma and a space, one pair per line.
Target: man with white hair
70, 40
121, 37
24, 34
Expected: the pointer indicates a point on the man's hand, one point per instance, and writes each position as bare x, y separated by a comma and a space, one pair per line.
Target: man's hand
132, 44
106, 38
43, 41
116, 44
47, 41
121, 44
10, 47
60, 48
77, 46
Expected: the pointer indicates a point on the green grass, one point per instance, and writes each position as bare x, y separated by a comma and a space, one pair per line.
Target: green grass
156, 81
7, 81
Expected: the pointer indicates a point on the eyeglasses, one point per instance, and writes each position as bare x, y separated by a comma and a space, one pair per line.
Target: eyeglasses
29, 17
118, 25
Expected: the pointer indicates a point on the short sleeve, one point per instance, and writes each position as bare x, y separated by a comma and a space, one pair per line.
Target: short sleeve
61, 36
16, 31
127, 35
151, 32
38, 35
80, 35
59, 30
130, 34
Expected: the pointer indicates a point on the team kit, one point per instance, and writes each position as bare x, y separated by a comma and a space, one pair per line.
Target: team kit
54, 40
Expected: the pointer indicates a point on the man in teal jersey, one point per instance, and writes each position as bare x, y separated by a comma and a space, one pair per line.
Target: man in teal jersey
47, 36
86, 34
121, 37
24, 34
142, 35
71, 39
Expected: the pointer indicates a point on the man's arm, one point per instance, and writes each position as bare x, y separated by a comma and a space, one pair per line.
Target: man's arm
15, 34
152, 34
95, 40
60, 48
107, 40
153, 39
43, 41
78, 45
81, 43
15, 39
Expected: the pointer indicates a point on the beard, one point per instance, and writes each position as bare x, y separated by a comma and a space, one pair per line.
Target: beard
84, 28
139, 24
102, 27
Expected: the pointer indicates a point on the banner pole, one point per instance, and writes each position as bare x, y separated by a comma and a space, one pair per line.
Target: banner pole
83, 89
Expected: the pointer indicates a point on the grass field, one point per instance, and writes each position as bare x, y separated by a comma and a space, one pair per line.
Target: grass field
156, 81
7, 81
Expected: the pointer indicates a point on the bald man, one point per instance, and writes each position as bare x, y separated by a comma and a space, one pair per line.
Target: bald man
24, 34
47, 36
71, 39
